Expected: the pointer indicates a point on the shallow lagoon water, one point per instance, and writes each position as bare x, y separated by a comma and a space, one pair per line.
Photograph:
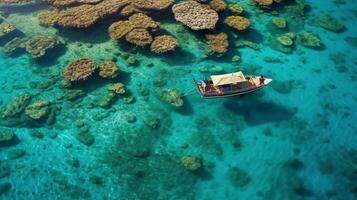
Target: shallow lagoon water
295, 139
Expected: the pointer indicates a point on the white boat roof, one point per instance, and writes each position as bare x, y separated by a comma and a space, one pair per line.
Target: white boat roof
225, 79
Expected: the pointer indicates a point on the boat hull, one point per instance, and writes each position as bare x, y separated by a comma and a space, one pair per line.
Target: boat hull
211, 95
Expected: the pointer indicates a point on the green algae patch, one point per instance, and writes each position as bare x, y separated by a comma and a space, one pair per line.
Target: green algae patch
238, 177
329, 23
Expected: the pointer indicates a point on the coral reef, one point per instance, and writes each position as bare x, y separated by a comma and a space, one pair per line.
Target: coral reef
191, 163
237, 22
171, 96
329, 23
108, 69
264, 3
309, 39
163, 43
141, 20
218, 43
140, 37
6, 28
16, 106
218, 5
81, 16
117, 88
286, 39
119, 29
195, 15
279, 22
235, 8
38, 109
79, 69
37, 46
152, 4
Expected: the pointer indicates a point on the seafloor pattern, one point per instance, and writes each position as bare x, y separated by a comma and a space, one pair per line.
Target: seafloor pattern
97, 100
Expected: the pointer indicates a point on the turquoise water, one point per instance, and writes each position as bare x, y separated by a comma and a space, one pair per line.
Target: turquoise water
295, 139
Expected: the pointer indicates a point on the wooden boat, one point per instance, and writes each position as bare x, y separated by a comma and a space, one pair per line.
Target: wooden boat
232, 84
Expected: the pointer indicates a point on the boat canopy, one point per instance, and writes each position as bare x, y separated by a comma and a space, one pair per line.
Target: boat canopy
225, 79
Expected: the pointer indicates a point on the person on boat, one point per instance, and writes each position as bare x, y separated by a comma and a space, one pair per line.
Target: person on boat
261, 80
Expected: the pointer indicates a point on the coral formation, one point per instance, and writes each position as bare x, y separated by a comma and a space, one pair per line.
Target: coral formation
152, 4
117, 88
108, 69
140, 37
6, 28
237, 22
37, 46
38, 109
119, 29
16, 106
81, 16
218, 5
218, 43
286, 39
163, 43
329, 23
141, 20
48, 17
309, 39
79, 69
279, 22
191, 163
264, 3
171, 96
235, 8
195, 15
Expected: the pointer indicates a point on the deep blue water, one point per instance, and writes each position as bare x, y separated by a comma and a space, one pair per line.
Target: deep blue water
295, 139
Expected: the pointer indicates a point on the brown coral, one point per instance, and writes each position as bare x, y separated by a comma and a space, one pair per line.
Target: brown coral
119, 29
79, 70
140, 37
163, 43
218, 43
82, 16
141, 20
49, 18
264, 3
237, 22
235, 8
218, 5
152, 4
108, 69
195, 15
117, 88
